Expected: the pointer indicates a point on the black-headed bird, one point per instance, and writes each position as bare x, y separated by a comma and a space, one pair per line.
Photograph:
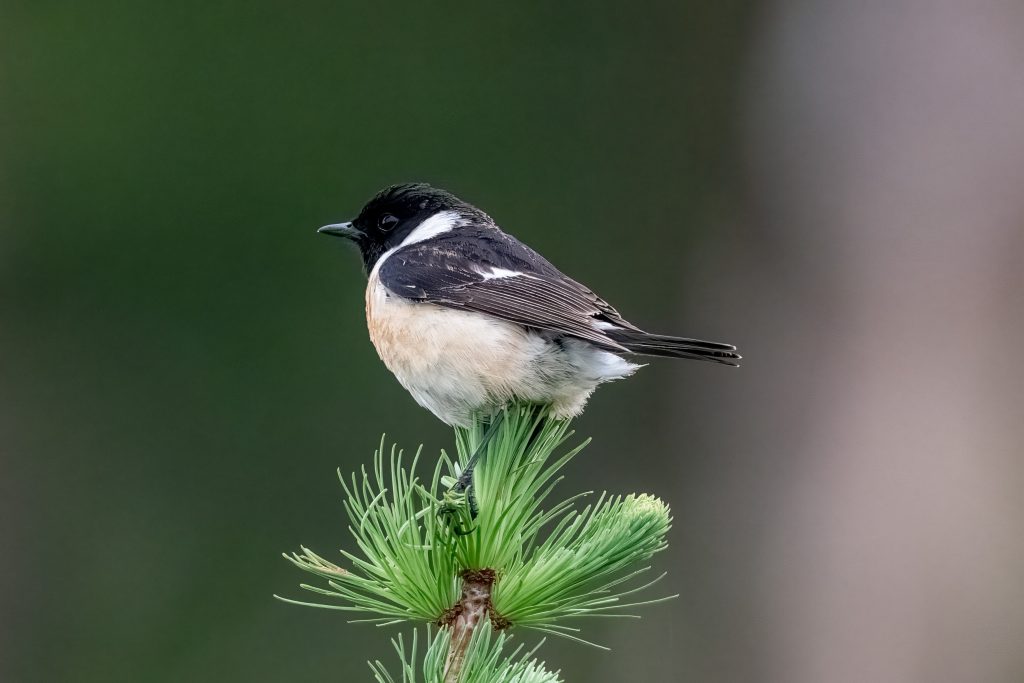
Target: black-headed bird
468, 318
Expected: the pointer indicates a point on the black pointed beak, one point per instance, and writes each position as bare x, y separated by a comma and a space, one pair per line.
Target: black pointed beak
342, 230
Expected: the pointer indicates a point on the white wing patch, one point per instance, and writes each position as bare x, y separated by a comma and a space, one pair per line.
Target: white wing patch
499, 273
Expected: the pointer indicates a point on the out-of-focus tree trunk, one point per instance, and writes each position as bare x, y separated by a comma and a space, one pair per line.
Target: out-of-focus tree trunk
880, 449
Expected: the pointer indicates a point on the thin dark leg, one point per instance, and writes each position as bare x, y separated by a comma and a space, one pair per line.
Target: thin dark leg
450, 502
465, 479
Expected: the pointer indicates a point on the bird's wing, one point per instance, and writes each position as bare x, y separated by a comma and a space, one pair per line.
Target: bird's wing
492, 273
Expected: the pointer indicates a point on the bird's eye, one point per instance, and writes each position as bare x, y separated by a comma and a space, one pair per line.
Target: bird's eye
388, 222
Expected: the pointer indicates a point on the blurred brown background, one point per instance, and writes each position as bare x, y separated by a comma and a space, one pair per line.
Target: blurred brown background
835, 187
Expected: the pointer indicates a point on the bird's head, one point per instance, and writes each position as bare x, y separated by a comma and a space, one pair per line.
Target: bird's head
392, 215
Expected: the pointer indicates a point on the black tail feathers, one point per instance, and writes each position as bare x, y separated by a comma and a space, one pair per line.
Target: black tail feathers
647, 344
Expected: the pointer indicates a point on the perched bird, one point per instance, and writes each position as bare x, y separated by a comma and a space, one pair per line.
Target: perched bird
469, 318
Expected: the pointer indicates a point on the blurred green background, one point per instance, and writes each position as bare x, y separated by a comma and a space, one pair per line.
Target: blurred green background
184, 362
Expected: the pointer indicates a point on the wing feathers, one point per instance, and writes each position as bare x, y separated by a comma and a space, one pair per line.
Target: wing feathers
538, 295
492, 273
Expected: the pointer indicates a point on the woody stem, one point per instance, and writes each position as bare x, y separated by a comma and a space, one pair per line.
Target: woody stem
470, 612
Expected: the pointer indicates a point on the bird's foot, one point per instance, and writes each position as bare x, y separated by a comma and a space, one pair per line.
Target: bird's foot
459, 509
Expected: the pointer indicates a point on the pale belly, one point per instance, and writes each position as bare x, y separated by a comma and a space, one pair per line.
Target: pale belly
456, 363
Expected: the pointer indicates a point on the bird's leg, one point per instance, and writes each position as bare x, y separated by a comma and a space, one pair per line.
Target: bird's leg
465, 480
464, 484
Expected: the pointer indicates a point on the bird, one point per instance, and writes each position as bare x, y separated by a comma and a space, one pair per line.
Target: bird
470, 319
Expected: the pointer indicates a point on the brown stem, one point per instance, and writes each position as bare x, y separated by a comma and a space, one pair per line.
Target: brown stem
466, 615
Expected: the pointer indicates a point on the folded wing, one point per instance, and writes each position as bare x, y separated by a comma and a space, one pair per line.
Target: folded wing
496, 275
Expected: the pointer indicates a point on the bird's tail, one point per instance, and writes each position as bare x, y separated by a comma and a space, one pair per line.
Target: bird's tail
647, 344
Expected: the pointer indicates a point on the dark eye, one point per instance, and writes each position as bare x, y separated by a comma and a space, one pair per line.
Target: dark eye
388, 222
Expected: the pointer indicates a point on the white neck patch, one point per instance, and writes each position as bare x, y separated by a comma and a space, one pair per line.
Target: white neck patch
435, 225
439, 223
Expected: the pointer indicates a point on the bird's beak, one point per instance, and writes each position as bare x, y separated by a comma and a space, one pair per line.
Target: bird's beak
342, 230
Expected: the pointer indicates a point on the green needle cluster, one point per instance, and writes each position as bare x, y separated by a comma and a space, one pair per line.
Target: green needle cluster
506, 553
404, 569
485, 661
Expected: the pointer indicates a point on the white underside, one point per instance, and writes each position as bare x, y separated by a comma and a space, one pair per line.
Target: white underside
455, 363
